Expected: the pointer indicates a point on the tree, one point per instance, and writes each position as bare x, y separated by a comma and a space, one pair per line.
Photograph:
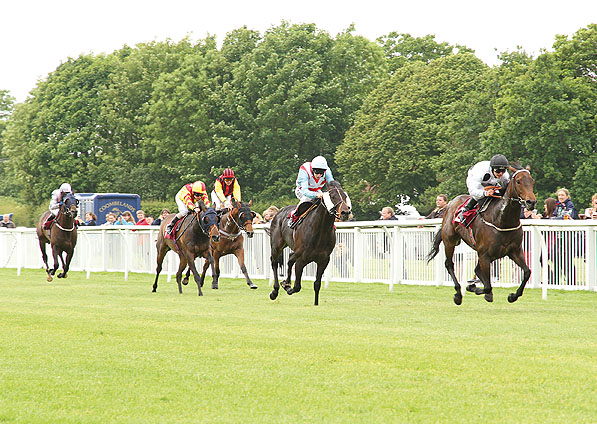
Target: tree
401, 130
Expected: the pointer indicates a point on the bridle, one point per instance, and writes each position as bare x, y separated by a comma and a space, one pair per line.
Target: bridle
240, 228
331, 207
65, 210
517, 198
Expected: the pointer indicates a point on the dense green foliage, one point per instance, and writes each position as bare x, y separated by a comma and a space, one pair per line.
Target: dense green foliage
108, 350
402, 117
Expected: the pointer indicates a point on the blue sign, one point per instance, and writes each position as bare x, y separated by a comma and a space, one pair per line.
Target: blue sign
103, 203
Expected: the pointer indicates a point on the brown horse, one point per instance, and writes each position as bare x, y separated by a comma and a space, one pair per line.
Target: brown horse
193, 239
312, 240
495, 233
62, 236
232, 224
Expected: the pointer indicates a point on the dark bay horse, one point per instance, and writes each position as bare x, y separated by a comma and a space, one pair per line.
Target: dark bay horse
494, 234
62, 236
193, 239
311, 241
232, 224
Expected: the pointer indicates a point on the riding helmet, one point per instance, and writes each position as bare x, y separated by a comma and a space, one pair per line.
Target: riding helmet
228, 173
199, 187
65, 188
319, 162
498, 161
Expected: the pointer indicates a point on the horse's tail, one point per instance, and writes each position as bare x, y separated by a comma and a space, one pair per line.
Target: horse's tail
437, 239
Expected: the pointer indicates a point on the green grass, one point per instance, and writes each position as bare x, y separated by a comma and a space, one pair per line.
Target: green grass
105, 350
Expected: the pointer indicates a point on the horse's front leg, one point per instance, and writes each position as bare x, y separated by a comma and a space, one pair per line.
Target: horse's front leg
214, 263
321, 267
55, 255
483, 267
160, 259
185, 280
66, 263
196, 276
240, 257
518, 258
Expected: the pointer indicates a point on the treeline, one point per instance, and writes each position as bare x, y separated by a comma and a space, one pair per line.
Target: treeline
399, 116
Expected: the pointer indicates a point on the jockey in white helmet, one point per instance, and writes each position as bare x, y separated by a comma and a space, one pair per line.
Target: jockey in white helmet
57, 196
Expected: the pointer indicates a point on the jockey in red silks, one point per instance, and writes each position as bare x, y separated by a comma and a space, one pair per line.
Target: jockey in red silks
225, 189
57, 196
311, 178
488, 173
186, 199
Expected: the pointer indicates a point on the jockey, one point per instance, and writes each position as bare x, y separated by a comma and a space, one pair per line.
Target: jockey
487, 173
186, 199
225, 189
311, 178
57, 196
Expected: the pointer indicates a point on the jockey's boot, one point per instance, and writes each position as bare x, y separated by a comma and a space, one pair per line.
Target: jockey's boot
470, 204
49, 221
170, 227
292, 219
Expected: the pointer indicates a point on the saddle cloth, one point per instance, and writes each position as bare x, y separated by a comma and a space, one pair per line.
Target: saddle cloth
175, 230
469, 216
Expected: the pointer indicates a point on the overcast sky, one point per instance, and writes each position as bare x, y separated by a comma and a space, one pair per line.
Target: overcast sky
37, 35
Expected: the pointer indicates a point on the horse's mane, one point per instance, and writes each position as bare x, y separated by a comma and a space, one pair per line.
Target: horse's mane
334, 184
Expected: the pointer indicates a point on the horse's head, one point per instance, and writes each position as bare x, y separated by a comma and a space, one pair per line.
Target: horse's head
245, 217
69, 204
209, 224
336, 201
521, 186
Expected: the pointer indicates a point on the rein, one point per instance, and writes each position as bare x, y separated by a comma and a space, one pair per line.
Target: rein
241, 228
333, 210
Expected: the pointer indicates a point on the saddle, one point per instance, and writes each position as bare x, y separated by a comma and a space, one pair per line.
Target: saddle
469, 216
302, 211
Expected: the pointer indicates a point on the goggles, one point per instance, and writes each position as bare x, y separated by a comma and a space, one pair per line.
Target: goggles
318, 171
500, 170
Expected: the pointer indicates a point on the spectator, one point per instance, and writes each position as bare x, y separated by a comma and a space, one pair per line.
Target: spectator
141, 220
564, 207
125, 219
90, 220
441, 202
258, 219
549, 207
149, 220
591, 213
161, 217
269, 213
387, 213
110, 219
6, 222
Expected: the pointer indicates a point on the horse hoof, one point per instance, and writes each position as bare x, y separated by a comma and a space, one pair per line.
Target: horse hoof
489, 297
214, 286
273, 295
49, 278
512, 297
60, 275
185, 281
458, 299
252, 286
471, 288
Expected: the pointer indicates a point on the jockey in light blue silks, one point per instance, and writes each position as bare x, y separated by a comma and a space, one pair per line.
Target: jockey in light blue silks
312, 177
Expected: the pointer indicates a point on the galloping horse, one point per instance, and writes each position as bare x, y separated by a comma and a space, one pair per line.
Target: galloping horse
495, 233
232, 223
193, 239
311, 241
62, 236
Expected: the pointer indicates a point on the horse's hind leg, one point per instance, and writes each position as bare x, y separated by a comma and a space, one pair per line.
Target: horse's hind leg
161, 254
449, 264
286, 284
44, 257
274, 262
298, 275
181, 267
185, 280
518, 258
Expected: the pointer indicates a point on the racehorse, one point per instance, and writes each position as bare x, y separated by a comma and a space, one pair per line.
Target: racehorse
495, 233
62, 236
196, 232
312, 240
232, 224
